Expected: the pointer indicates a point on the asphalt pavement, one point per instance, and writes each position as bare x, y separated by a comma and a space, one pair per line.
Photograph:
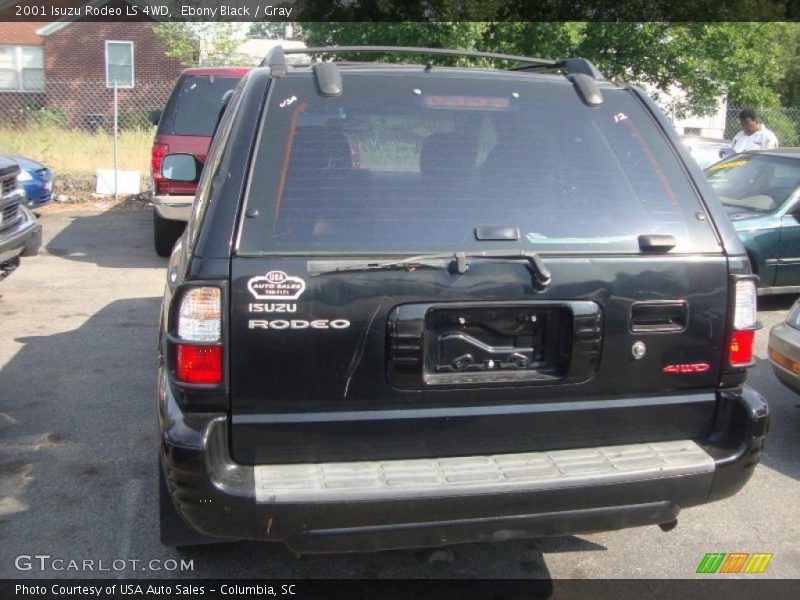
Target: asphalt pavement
78, 445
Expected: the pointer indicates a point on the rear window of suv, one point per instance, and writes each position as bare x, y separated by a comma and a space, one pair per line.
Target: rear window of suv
404, 163
199, 103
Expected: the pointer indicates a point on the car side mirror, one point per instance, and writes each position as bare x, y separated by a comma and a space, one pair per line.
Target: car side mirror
181, 167
155, 116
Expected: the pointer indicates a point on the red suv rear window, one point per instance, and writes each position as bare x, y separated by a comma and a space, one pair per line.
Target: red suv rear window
199, 102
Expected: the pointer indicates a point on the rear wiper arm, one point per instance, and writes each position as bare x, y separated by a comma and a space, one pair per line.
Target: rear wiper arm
541, 274
457, 263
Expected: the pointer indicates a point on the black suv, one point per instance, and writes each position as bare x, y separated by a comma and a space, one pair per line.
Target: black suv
421, 305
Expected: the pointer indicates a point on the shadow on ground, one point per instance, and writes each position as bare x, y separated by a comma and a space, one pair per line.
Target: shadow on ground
119, 237
78, 464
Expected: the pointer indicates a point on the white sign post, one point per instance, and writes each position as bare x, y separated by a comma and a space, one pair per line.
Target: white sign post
116, 170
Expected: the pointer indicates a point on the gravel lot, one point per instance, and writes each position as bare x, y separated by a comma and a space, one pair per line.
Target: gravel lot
78, 442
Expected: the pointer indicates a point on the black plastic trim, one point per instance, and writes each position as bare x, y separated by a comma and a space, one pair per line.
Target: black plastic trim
217, 495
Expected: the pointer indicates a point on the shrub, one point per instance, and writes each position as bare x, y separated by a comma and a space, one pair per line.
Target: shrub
48, 117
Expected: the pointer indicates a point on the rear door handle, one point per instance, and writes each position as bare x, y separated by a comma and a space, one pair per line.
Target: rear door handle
658, 316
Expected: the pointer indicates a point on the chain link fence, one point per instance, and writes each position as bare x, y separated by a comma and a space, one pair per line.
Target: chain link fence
87, 105
68, 126
785, 122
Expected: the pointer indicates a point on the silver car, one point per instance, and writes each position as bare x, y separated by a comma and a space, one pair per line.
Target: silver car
784, 349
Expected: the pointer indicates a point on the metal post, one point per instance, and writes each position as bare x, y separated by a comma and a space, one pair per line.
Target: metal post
115, 140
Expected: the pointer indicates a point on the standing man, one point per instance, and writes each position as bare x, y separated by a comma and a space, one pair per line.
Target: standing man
754, 135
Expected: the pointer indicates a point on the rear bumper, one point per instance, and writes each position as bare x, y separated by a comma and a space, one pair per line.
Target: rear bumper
175, 208
403, 504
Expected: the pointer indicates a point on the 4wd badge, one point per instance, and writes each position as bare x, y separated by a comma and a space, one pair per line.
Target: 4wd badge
276, 285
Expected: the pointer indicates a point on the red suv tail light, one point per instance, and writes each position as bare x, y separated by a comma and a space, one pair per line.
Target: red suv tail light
199, 322
157, 155
740, 347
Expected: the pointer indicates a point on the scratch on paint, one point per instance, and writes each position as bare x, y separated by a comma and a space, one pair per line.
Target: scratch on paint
359, 352
269, 525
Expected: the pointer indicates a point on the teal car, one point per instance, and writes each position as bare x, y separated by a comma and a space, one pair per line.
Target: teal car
761, 193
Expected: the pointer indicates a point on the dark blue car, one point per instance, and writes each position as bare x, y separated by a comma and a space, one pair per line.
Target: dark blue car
36, 179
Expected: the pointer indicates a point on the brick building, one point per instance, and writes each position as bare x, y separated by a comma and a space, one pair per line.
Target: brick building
67, 69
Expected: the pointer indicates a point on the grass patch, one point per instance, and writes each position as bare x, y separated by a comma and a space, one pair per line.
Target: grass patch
74, 156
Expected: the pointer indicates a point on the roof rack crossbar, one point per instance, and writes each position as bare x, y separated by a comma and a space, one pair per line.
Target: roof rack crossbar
416, 50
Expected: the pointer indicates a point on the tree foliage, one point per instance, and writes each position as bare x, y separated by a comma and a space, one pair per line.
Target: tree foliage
706, 61
201, 43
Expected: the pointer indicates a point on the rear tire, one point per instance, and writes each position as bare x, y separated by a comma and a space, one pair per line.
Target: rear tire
165, 233
173, 529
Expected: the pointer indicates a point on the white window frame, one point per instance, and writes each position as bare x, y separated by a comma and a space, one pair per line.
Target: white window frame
19, 68
109, 84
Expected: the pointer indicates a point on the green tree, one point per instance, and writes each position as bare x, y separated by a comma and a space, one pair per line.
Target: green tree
273, 30
464, 35
707, 61
199, 44
790, 82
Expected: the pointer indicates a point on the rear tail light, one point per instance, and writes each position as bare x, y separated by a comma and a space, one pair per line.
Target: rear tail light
198, 364
740, 348
199, 322
157, 155
200, 315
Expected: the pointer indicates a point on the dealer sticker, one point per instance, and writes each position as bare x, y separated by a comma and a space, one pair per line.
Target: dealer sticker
276, 285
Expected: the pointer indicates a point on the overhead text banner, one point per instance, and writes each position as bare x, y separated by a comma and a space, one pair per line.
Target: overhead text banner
400, 10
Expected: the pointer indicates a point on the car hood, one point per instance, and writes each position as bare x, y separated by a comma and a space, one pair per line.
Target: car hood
7, 164
27, 164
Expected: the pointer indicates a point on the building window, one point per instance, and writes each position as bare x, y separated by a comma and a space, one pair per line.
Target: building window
21, 68
119, 64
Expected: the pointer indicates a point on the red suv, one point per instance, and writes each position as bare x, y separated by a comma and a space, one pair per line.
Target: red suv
186, 125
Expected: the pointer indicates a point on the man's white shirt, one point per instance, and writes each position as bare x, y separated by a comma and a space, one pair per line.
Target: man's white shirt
763, 139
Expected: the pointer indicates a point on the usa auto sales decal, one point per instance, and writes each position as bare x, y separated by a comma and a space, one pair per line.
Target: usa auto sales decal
277, 285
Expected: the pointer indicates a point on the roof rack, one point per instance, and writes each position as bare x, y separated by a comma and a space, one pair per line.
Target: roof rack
276, 54
580, 71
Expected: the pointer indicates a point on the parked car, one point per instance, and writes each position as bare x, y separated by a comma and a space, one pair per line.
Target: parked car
761, 193
20, 233
707, 151
784, 349
524, 313
36, 180
185, 125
